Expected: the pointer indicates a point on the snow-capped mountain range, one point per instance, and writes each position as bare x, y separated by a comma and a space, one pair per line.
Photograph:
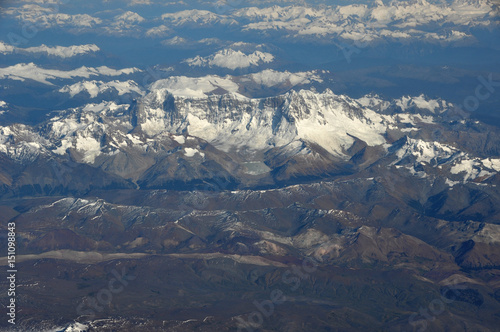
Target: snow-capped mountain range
58, 51
231, 59
31, 71
355, 22
380, 20
206, 121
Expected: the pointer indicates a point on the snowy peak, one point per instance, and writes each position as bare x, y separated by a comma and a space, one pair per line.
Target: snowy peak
271, 78
21, 143
197, 17
231, 121
31, 71
430, 158
422, 103
231, 59
95, 88
194, 87
399, 21
417, 151
202, 86
406, 104
332, 121
56, 51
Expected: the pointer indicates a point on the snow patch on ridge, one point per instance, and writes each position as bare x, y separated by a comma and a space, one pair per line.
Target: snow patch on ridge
475, 168
190, 152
